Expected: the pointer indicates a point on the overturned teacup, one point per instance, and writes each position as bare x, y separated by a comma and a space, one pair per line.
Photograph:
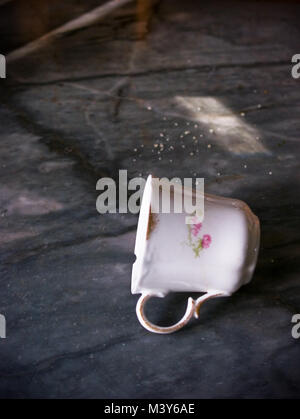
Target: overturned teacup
215, 253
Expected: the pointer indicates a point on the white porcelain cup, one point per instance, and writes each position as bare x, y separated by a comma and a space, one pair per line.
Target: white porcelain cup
215, 256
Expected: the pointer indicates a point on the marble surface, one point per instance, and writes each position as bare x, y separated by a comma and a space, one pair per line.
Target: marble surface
210, 83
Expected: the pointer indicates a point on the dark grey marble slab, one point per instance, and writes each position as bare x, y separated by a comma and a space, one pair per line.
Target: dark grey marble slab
210, 83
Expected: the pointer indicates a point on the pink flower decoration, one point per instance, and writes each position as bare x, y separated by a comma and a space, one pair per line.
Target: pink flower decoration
196, 228
206, 241
194, 219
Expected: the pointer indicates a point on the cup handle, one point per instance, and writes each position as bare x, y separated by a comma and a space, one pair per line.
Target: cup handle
192, 310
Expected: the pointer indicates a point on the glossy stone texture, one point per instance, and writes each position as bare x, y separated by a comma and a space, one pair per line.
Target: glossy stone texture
207, 85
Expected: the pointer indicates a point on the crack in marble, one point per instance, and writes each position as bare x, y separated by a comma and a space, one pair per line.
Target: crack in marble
47, 364
44, 249
203, 68
118, 88
58, 143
